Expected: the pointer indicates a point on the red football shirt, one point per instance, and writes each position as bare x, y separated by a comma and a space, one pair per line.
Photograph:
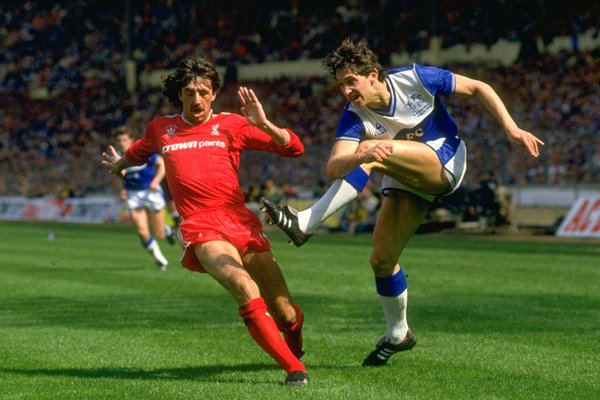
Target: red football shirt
202, 161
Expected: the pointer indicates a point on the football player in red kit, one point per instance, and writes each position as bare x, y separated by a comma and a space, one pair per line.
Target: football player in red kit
201, 151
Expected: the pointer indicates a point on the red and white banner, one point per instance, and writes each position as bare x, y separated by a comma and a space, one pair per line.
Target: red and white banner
22, 208
87, 209
583, 219
90, 210
41, 209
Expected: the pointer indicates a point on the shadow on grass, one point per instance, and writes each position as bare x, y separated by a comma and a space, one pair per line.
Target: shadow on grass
212, 373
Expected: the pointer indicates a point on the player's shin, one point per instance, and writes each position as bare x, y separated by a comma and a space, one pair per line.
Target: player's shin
264, 331
340, 193
293, 334
393, 293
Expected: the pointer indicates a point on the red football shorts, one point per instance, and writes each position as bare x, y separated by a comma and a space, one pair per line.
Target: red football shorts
236, 225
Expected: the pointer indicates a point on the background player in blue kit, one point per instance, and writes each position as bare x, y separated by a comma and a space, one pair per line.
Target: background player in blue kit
395, 124
145, 199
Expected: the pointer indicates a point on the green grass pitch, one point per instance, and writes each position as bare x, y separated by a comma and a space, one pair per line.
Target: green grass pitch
88, 316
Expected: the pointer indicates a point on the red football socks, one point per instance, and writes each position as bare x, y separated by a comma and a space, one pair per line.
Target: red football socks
293, 334
264, 331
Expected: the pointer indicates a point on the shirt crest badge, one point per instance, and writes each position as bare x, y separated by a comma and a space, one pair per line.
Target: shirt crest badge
171, 131
379, 129
417, 104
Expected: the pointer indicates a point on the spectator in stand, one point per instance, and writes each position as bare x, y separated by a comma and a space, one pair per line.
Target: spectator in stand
270, 188
52, 50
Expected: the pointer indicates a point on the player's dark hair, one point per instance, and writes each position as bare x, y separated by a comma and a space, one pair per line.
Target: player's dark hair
356, 57
192, 67
122, 130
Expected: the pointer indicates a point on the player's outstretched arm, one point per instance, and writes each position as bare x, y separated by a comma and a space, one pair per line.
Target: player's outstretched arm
488, 96
253, 111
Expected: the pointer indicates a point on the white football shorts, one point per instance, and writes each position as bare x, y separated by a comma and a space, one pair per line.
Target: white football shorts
455, 170
148, 199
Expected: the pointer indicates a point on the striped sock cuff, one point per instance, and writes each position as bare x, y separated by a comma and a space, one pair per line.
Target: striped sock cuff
391, 286
358, 178
148, 243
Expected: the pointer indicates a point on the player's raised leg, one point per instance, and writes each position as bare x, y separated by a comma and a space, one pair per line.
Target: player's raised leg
413, 164
400, 215
300, 225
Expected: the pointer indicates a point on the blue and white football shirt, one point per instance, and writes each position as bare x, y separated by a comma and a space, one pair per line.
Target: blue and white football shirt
140, 177
415, 113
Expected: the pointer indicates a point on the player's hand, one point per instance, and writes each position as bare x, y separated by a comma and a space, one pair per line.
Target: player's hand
525, 139
251, 107
378, 152
112, 160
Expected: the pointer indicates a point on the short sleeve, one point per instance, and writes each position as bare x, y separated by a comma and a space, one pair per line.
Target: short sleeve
350, 127
139, 152
437, 81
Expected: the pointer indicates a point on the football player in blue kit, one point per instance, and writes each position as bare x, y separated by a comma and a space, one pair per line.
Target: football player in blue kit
145, 199
395, 124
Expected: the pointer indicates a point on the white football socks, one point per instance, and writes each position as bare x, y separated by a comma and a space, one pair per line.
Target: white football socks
394, 309
338, 195
154, 249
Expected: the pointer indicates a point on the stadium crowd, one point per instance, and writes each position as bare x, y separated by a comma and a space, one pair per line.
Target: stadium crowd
63, 91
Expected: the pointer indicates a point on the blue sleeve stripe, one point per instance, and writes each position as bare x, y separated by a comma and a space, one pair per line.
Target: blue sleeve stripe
358, 178
391, 286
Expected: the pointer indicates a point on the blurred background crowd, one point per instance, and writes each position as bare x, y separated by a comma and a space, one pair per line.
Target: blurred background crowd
63, 88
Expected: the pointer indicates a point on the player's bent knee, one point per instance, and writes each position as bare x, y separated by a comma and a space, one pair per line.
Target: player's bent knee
382, 265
